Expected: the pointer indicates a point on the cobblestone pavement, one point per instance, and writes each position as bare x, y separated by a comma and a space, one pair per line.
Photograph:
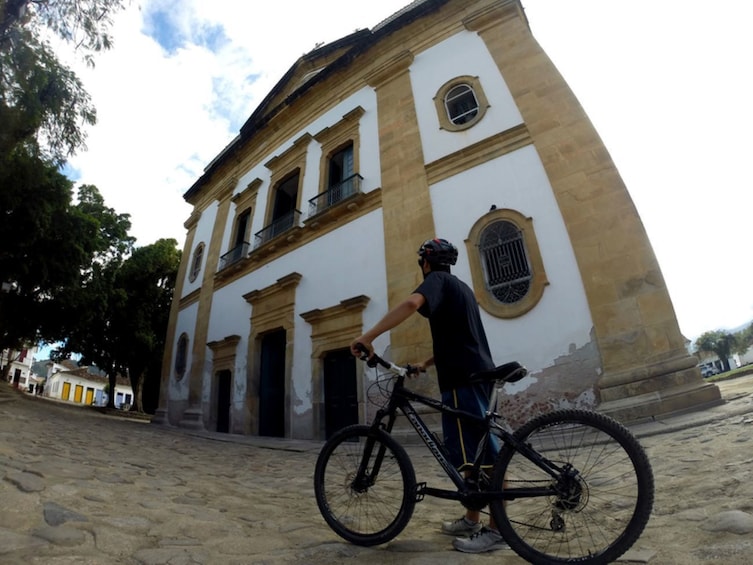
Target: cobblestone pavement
80, 487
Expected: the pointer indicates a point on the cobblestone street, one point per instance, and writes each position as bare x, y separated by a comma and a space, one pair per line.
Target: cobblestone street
82, 487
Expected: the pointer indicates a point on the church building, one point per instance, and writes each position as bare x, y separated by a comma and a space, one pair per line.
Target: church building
446, 120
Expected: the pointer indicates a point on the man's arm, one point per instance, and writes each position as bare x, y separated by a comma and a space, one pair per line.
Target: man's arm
391, 319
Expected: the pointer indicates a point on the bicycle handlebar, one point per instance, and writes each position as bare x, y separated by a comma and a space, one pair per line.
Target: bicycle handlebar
374, 360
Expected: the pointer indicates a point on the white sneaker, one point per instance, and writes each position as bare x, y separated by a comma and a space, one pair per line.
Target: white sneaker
483, 540
461, 527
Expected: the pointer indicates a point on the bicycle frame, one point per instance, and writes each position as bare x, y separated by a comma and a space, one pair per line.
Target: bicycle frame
400, 400
583, 483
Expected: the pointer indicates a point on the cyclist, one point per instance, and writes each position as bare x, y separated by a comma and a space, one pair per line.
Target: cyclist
460, 349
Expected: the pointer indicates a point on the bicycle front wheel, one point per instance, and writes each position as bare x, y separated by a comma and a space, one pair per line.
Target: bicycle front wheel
599, 504
368, 507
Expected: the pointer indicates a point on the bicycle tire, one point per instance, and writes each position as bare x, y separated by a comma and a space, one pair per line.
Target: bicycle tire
606, 506
373, 514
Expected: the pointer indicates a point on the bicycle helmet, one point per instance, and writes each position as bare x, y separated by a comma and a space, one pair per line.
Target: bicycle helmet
438, 252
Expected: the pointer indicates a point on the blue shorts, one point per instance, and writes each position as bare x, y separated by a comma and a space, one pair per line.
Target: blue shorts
461, 438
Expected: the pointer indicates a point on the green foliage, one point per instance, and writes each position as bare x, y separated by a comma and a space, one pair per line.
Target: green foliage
46, 242
67, 269
719, 342
43, 105
112, 239
118, 316
743, 340
149, 278
84, 23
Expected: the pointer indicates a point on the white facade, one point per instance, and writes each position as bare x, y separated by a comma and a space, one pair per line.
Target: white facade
19, 372
349, 261
325, 280
80, 387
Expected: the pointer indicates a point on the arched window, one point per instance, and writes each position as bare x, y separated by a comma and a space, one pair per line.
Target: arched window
198, 255
460, 103
181, 356
506, 265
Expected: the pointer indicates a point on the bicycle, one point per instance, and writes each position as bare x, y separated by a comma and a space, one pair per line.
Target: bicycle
569, 486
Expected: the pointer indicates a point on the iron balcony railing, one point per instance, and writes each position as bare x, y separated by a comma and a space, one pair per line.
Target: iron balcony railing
234, 255
277, 227
335, 194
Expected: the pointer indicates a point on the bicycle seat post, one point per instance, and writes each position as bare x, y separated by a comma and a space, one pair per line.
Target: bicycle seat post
492, 408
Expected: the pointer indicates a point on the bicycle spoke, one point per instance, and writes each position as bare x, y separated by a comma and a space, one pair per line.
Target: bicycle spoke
364, 509
607, 496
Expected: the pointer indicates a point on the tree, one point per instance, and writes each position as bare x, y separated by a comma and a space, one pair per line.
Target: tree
43, 105
148, 279
743, 340
85, 310
87, 328
720, 342
46, 242
118, 316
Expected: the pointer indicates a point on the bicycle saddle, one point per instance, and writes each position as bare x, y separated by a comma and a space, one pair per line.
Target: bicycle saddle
508, 373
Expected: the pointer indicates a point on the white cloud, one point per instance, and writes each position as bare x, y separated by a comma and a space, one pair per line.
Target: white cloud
666, 86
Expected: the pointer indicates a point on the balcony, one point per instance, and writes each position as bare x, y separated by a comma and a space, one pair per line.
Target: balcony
234, 255
278, 227
335, 194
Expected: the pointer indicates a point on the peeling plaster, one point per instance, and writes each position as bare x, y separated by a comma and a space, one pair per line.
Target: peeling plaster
570, 382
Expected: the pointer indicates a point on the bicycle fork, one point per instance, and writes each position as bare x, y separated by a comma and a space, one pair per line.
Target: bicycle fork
365, 479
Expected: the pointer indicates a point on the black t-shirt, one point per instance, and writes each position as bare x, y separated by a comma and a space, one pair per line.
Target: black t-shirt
460, 345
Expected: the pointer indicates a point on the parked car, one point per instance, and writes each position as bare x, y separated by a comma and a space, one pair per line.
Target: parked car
707, 371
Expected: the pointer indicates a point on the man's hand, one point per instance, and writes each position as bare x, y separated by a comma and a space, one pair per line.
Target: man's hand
364, 341
421, 367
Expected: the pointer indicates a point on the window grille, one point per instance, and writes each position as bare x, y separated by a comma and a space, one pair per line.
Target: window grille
461, 104
198, 254
507, 267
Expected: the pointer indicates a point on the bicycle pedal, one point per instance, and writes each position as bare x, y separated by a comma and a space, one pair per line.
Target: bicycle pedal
420, 489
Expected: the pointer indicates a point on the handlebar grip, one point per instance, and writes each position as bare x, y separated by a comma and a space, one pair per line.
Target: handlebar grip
362, 348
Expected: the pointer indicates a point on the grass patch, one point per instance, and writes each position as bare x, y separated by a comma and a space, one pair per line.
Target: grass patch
733, 374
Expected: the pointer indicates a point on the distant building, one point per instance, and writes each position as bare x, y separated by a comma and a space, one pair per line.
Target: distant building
19, 373
445, 120
82, 386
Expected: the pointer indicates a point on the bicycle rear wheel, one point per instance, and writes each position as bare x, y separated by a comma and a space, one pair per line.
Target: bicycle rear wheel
376, 507
597, 512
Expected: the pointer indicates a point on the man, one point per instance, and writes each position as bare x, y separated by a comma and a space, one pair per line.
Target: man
460, 349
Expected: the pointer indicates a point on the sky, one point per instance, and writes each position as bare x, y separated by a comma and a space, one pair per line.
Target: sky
666, 83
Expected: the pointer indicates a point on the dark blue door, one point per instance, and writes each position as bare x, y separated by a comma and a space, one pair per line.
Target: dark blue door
272, 385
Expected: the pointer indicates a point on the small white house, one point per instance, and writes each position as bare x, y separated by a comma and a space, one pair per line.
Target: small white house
81, 386
19, 373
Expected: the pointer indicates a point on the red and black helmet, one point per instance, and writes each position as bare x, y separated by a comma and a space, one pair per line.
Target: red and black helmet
438, 252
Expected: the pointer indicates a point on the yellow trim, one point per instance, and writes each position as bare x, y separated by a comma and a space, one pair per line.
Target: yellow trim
335, 138
333, 328
285, 166
478, 92
480, 152
337, 216
272, 308
196, 268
